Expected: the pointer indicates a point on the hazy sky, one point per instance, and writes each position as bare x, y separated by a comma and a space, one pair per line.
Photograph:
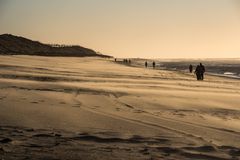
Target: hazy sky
130, 28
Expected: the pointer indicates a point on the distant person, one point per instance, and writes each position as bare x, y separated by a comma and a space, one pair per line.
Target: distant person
129, 61
202, 71
190, 68
146, 64
115, 59
198, 72
154, 64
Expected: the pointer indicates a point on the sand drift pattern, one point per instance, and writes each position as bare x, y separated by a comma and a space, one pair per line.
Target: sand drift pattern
90, 108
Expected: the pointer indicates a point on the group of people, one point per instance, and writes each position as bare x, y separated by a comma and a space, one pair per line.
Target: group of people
153, 64
199, 71
126, 61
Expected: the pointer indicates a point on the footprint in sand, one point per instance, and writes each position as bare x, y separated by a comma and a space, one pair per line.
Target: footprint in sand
1, 98
79, 104
2, 150
128, 106
95, 107
5, 140
144, 151
34, 102
139, 111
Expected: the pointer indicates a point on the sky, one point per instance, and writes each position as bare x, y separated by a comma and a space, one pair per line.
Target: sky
130, 28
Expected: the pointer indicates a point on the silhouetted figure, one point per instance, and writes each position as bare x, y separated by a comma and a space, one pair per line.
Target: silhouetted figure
190, 68
202, 71
154, 64
129, 61
146, 64
198, 72
115, 59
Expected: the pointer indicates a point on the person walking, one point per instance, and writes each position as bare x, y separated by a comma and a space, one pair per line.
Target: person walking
198, 72
146, 64
190, 68
202, 71
154, 64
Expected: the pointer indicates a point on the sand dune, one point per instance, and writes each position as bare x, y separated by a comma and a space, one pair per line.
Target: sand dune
91, 108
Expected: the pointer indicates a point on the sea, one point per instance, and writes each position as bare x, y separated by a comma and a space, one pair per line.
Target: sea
219, 67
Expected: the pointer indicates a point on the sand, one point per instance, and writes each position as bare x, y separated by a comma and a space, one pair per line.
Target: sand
92, 108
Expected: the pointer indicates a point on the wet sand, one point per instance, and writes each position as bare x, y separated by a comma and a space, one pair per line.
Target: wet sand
91, 108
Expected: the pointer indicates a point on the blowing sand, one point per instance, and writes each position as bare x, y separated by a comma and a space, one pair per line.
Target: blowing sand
90, 108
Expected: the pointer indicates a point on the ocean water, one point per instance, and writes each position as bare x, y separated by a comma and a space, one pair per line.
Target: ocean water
221, 67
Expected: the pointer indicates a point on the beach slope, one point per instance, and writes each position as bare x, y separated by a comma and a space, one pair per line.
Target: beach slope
93, 108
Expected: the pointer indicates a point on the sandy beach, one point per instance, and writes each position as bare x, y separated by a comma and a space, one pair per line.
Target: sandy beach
93, 108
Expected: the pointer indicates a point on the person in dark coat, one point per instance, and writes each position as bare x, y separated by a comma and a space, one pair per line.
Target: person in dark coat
198, 72
190, 68
146, 64
202, 71
154, 64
